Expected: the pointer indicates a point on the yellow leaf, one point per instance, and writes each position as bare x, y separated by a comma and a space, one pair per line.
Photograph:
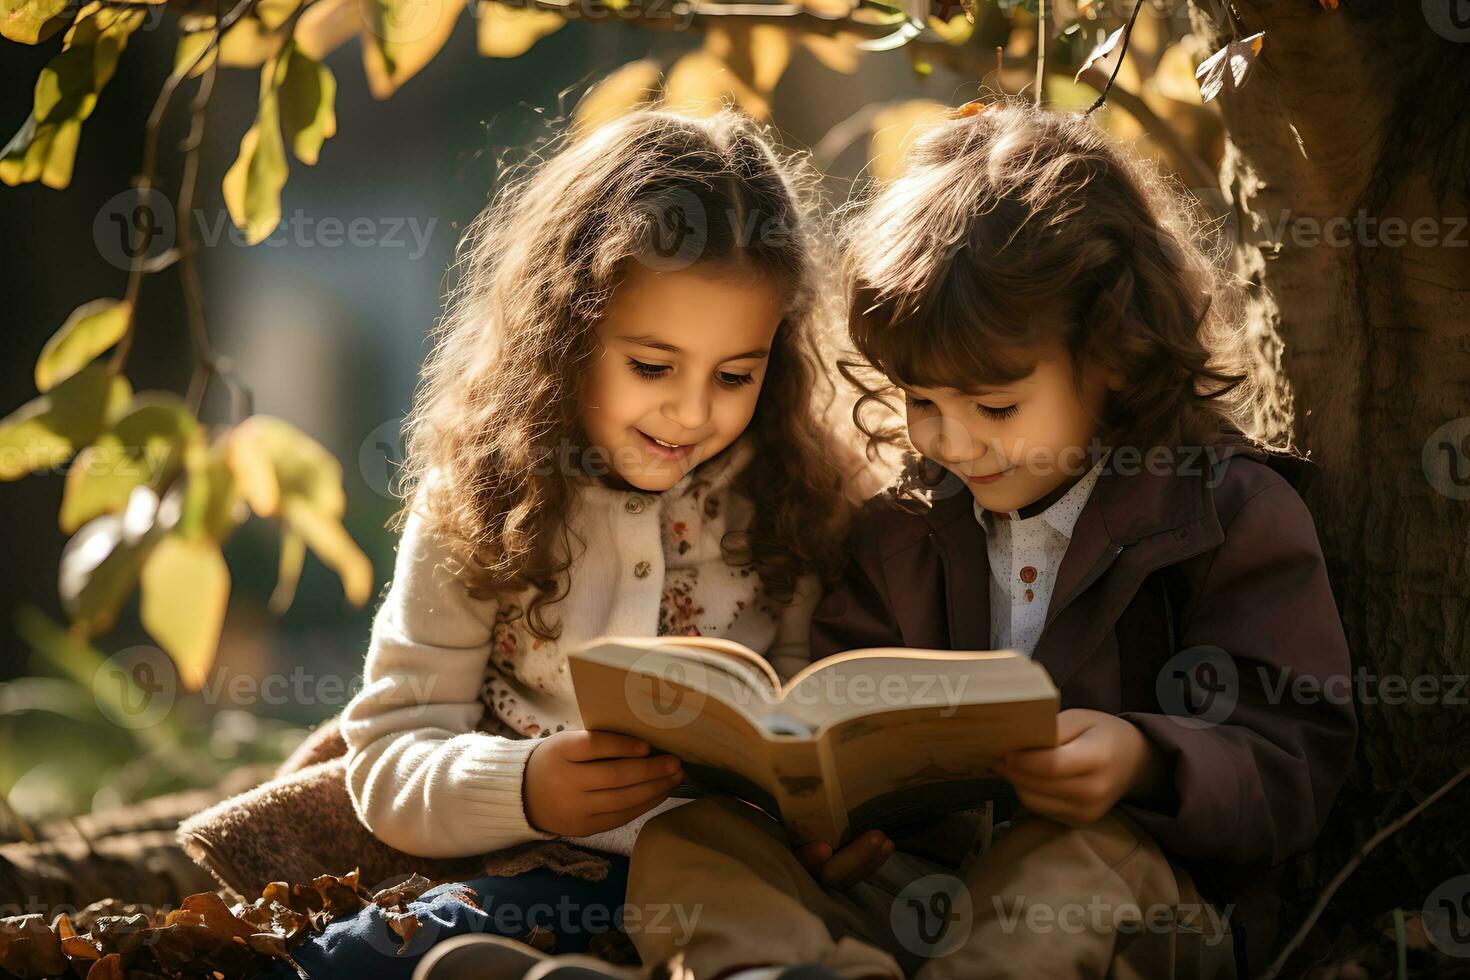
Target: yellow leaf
143, 448
829, 8
212, 503
624, 89
508, 32
248, 44
254, 473
758, 55
956, 30
288, 574
401, 37
307, 114
91, 329
327, 25
894, 129
274, 13
44, 433
298, 466
32, 21
252, 185
186, 590
1175, 75
195, 35
45, 147
700, 84
839, 52
327, 538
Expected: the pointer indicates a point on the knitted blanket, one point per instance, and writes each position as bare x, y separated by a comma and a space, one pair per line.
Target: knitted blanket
301, 823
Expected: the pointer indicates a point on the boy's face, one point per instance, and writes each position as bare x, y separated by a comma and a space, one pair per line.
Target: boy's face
1012, 444
680, 360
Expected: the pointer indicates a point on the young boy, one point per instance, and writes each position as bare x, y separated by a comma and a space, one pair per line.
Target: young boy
1082, 492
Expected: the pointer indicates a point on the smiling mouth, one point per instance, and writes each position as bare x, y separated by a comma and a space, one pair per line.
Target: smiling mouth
667, 448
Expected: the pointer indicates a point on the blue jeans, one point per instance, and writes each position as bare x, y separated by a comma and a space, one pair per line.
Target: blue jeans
572, 909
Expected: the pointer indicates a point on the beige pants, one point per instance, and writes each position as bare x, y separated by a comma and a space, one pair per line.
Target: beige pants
1042, 900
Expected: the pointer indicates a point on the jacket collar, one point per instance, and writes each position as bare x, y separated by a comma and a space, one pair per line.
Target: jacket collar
1139, 517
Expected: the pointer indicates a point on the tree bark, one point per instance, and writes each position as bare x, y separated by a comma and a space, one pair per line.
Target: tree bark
1363, 113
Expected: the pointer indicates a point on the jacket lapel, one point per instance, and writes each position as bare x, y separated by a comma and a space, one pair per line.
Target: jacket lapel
961, 543
1131, 526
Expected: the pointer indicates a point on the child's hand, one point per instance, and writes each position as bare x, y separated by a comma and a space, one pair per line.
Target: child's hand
853, 862
1099, 759
579, 782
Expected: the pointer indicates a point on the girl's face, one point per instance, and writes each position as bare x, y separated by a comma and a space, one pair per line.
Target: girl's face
679, 363
1013, 444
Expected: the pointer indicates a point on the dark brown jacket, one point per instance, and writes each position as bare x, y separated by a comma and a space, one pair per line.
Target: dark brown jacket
1224, 557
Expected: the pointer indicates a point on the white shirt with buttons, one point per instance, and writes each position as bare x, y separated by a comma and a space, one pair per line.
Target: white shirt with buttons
457, 691
1025, 556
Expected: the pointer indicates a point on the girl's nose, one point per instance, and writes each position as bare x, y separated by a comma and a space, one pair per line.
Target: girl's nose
691, 409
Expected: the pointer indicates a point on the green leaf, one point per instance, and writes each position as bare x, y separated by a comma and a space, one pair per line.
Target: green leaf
307, 114
212, 503
32, 21
186, 590
45, 147
252, 186
46, 431
143, 448
91, 329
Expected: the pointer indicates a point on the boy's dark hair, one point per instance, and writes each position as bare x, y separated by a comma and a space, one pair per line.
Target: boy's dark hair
1016, 227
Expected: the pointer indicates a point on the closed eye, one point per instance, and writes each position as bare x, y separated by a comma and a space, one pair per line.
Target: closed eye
998, 414
646, 370
735, 380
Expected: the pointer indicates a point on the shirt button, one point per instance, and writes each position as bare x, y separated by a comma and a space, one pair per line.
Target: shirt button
642, 569
635, 505
1028, 575
1030, 595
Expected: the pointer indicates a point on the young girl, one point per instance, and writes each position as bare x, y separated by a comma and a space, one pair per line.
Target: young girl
619, 432
1084, 492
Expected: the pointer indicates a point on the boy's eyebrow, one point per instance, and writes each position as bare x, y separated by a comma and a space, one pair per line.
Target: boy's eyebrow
647, 341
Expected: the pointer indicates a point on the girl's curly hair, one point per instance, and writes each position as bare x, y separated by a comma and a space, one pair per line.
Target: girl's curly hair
1016, 227
495, 448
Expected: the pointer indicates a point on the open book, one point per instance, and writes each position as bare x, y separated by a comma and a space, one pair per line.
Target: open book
869, 738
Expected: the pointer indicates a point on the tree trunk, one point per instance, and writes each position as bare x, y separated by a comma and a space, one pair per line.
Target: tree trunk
1363, 113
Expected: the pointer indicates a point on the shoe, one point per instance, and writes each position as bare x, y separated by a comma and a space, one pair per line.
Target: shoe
478, 956
576, 966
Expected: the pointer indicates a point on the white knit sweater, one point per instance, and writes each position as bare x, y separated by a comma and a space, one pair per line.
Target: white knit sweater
456, 691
